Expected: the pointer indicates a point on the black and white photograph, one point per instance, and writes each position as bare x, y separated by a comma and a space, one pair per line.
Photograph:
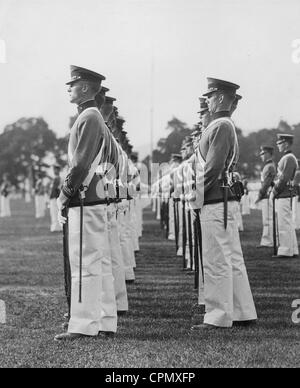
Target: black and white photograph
149, 186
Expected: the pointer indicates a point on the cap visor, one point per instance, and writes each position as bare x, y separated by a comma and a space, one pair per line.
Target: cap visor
208, 93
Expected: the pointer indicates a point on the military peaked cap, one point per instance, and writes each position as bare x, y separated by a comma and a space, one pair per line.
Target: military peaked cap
282, 137
215, 85
80, 73
266, 148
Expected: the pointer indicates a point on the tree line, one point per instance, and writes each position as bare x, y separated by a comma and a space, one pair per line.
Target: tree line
29, 144
249, 164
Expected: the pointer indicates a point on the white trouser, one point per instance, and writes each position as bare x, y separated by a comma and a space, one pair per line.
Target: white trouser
180, 234
129, 236
134, 225
154, 205
126, 247
296, 212
158, 208
139, 215
86, 316
188, 253
40, 206
245, 202
228, 295
201, 299
118, 268
5, 206
239, 219
108, 320
288, 245
267, 220
55, 225
171, 221
27, 197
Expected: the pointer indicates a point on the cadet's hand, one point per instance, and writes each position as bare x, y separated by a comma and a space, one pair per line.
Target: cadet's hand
61, 219
191, 197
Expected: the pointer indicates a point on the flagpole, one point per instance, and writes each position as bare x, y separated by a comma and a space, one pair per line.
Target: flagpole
152, 105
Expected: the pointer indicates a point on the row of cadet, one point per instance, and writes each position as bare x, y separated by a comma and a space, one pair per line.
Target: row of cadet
199, 198
100, 207
286, 221
199, 195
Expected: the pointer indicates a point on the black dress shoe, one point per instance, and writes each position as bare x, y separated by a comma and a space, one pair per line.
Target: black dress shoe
249, 323
130, 281
69, 337
121, 313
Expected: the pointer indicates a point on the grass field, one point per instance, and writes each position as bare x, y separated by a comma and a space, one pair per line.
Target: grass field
156, 332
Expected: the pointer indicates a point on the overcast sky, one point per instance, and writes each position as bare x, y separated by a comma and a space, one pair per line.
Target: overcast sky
247, 42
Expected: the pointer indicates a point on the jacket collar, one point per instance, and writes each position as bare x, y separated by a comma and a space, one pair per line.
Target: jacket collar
219, 115
85, 105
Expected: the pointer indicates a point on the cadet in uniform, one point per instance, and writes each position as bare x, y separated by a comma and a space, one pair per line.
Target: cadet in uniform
283, 192
39, 196
122, 207
5, 200
195, 199
54, 194
228, 296
112, 271
116, 267
296, 203
175, 161
245, 201
189, 185
87, 210
267, 181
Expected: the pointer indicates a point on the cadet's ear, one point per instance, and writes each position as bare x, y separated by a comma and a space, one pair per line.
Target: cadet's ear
221, 98
85, 87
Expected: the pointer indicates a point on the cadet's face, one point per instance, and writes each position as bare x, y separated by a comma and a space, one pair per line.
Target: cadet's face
205, 119
75, 92
265, 156
212, 102
281, 146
